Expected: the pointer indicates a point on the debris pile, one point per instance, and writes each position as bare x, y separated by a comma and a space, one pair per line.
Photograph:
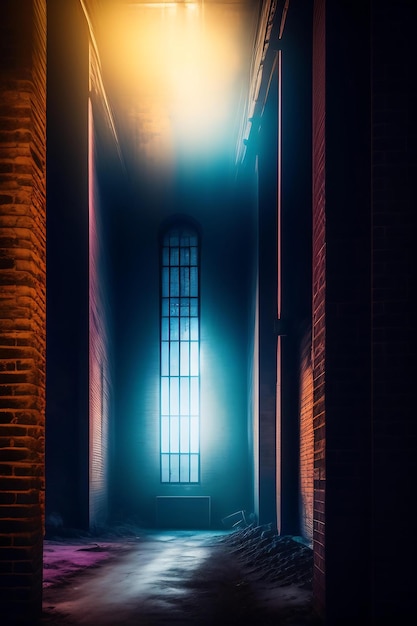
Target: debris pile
280, 559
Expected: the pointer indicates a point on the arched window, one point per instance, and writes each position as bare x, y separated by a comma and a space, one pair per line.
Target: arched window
180, 357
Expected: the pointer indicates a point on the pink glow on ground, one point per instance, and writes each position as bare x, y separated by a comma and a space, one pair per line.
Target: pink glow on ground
62, 561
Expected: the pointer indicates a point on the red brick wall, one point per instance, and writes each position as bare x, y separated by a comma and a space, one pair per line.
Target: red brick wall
22, 302
306, 440
341, 308
319, 287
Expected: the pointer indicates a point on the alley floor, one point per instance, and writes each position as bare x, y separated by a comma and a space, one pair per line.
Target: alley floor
177, 577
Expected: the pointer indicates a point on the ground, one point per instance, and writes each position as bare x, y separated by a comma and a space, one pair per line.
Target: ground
131, 576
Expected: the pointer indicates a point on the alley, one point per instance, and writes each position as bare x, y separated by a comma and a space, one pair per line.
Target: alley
180, 577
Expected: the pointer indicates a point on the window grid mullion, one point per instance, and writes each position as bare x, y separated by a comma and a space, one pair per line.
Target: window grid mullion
179, 293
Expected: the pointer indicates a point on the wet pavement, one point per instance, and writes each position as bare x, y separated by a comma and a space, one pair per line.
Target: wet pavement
183, 578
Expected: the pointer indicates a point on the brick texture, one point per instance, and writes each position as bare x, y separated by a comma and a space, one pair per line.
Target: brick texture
342, 310
99, 356
306, 431
319, 293
22, 302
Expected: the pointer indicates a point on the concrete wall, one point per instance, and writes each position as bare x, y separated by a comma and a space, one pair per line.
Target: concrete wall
22, 304
278, 155
206, 198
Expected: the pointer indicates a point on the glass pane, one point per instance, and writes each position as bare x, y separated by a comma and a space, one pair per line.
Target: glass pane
194, 468
175, 469
165, 256
185, 358
185, 256
174, 306
184, 281
173, 240
174, 405
193, 255
173, 327
174, 434
194, 434
194, 328
165, 306
193, 307
193, 240
164, 329
194, 396
174, 358
194, 358
165, 275
185, 434
184, 396
185, 307
165, 468
174, 256
165, 434
185, 239
165, 396
174, 281
164, 358
184, 468
184, 328
193, 281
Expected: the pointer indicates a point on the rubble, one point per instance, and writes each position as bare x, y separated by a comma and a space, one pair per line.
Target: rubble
281, 559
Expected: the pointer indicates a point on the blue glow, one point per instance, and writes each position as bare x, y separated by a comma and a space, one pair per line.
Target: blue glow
180, 358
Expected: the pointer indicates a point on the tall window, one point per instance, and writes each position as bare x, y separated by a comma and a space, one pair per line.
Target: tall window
180, 357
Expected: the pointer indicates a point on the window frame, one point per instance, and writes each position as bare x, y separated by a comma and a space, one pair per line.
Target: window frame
179, 325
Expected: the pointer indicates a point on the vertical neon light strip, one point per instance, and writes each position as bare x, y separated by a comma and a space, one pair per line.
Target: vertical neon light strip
91, 254
279, 185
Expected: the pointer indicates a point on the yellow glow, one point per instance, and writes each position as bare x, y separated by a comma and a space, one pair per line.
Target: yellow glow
176, 65
168, 4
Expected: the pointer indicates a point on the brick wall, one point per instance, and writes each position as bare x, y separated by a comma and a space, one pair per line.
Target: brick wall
342, 310
306, 439
99, 357
22, 302
319, 292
